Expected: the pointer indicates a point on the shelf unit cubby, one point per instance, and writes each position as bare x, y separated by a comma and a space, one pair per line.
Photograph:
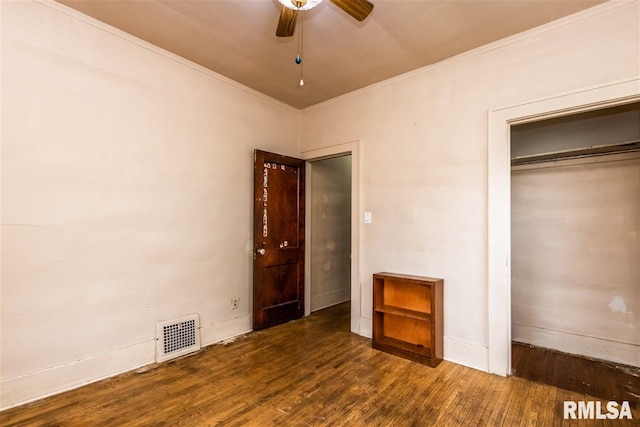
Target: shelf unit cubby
407, 316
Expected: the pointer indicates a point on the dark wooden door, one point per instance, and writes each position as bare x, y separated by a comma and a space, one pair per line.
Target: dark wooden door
278, 242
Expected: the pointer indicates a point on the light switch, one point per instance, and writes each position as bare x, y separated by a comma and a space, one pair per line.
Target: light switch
367, 217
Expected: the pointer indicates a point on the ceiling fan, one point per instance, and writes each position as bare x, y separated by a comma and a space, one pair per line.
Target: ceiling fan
359, 9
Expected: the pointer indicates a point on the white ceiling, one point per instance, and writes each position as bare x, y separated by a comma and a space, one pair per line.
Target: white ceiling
236, 38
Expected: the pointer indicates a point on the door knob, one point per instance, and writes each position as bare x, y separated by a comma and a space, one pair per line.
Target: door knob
261, 251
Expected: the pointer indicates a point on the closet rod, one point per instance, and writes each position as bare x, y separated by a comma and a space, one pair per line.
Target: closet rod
599, 150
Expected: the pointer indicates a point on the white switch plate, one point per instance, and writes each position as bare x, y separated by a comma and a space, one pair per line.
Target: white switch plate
367, 217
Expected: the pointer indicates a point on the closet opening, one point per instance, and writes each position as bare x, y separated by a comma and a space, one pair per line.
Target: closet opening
575, 252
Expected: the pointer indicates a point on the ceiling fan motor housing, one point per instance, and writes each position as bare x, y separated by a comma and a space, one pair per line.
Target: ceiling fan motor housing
300, 4
358, 9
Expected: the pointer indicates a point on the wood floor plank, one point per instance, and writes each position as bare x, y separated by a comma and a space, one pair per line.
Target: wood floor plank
597, 378
311, 372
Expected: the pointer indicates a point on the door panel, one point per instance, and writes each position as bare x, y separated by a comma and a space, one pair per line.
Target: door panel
278, 257
285, 281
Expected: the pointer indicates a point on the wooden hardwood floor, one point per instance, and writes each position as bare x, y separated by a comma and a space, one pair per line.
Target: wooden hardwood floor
605, 380
311, 372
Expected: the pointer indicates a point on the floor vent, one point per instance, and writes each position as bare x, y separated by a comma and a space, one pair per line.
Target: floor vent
177, 337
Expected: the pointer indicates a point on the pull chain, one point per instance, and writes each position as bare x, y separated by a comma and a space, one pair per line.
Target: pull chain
300, 45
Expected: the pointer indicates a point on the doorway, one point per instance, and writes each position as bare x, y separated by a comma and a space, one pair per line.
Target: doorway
330, 232
575, 245
359, 324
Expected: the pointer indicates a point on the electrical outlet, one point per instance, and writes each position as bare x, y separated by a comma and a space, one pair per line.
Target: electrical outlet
235, 302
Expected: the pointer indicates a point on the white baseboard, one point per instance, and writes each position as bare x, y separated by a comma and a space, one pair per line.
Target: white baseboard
597, 348
366, 327
467, 354
329, 299
220, 331
46, 382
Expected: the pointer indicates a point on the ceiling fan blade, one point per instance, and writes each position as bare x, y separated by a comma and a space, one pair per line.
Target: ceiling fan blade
287, 22
359, 9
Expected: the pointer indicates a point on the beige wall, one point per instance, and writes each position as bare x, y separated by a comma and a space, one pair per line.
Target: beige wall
576, 256
126, 197
330, 232
423, 148
126, 182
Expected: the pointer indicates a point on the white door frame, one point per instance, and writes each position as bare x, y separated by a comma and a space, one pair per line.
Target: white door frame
352, 148
499, 195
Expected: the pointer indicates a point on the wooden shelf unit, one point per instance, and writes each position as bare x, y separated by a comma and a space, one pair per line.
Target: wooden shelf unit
407, 317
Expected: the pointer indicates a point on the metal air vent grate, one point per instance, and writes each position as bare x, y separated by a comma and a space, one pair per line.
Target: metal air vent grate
177, 337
